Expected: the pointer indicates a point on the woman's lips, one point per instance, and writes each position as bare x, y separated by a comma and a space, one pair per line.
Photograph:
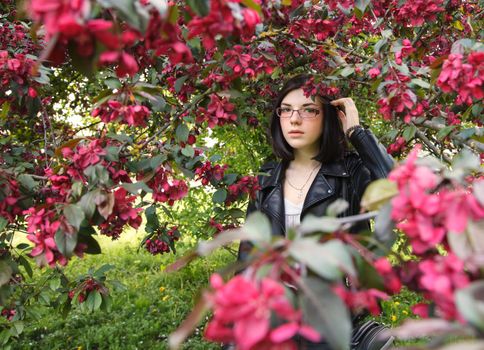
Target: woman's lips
296, 133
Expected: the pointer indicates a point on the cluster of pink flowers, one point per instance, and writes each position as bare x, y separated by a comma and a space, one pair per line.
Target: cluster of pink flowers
439, 277
404, 51
359, 300
219, 112
87, 286
166, 190
463, 76
69, 21
42, 226
401, 100
162, 241
321, 29
60, 187
15, 75
92, 152
82, 156
209, 173
245, 64
9, 197
9, 314
243, 310
133, 114
397, 147
417, 12
425, 214
220, 21
334, 4
390, 278
219, 227
245, 185
121, 214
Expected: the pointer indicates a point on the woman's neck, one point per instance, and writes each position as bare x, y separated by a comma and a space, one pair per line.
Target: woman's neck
304, 159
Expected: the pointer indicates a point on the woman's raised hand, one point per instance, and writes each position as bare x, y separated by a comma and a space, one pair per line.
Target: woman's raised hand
347, 112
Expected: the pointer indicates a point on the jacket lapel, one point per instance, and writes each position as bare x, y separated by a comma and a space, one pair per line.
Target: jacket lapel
273, 203
320, 188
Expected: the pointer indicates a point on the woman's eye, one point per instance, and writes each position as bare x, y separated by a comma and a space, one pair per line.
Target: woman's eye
311, 110
286, 110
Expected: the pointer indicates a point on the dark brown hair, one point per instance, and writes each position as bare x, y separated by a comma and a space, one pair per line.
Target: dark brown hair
332, 144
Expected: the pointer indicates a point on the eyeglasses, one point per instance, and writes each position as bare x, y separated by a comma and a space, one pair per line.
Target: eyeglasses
305, 113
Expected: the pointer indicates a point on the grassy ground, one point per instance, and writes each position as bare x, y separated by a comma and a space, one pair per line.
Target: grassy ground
152, 306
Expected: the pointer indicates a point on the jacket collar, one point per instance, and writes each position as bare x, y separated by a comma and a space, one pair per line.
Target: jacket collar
320, 189
336, 168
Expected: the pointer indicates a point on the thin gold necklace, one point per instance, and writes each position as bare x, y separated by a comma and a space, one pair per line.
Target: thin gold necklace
300, 190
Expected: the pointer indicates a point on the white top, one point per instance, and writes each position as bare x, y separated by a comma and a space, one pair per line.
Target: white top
292, 213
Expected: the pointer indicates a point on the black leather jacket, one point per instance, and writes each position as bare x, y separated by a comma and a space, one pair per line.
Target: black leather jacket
346, 178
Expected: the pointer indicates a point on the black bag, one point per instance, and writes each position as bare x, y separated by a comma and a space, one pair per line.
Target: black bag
367, 337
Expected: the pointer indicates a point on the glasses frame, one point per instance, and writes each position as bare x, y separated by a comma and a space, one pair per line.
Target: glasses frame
278, 113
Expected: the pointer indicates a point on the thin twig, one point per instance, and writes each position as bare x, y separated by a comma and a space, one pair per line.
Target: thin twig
430, 145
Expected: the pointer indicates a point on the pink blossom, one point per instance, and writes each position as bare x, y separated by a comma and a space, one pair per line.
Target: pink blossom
374, 72
464, 78
243, 310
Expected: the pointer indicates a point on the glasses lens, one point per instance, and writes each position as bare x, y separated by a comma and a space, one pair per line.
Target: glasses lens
309, 112
284, 112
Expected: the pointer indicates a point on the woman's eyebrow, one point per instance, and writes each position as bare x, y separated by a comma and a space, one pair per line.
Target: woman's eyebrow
304, 105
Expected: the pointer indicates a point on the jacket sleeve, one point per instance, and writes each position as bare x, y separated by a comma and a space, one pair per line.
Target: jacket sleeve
373, 161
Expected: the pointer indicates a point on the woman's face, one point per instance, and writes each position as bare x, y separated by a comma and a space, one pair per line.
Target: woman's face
302, 133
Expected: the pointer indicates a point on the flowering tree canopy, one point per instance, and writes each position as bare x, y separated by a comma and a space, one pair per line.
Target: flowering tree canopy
112, 112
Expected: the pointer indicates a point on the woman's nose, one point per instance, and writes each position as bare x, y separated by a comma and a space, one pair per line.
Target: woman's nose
295, 117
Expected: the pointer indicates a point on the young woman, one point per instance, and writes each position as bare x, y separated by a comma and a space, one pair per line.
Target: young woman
309, 135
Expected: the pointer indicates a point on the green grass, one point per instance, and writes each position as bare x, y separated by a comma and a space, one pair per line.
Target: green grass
152, 306
142, 316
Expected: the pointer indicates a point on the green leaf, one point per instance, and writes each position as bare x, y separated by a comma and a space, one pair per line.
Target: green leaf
102, 270
252, 4
325, 312
220, 195
26, 265
3, 223
182, 132
134, 188
113, 83
27, 181
384, 226
409, 132
467, 161
421, 83
17, 328
362, 5
314, 224
229, 179
337, 207
378, 193
188, 151
93, 246
65, 242
380, 44
5, 272
469, 301
347, 71
74, 215
329, 260
97, 174
445, 131
258, 225
87, 203
157, 160
180, 81
200, 7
